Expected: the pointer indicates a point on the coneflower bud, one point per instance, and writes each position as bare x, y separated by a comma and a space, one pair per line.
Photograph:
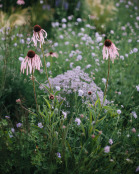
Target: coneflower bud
100, 132
51, 97
37, 28
93, 136
89, 93
107, 43
31, 54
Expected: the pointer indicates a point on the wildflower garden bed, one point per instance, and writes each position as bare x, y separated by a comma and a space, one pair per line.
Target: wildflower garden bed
70, 88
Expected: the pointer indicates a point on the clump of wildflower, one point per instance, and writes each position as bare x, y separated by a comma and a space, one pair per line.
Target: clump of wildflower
107, 149
78, 121
52, 54
39, 35
110, 50
40, 125
32, 61
79, 81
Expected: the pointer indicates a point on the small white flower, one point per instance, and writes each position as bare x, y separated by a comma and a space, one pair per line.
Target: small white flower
99, 39
107, 149
67, 43
55, 44
57, 88
65, 114
126, 55
122, 57
71, 65
48, 64
21, 59
137, 88
61, 37
110, 141
78, 121
79, 57
118, 111
64, 20
135, 50
12, 130
112, 32
88, 66
79, 20
80, 92
137, 169
93, 54
104, 80
134, 114
40, 125
64, 25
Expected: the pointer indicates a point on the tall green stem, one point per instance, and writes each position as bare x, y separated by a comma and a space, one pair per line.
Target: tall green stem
46, 67
107, 77
34, 92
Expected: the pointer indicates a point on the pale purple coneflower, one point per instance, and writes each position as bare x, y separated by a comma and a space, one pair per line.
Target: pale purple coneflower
38, 35
31, 61
52, 54
110, 50
20, 2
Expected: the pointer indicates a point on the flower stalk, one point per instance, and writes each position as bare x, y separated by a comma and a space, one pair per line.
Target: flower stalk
107, 76
34, 91
46, 68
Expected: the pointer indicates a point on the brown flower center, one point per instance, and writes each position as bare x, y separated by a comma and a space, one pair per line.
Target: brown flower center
107, 43
31, 54
89, 92
37, 28
51, 52
51, 97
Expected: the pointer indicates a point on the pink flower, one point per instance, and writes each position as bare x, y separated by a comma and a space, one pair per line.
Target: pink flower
18, 101
110, 50
52, 54
20, 2
31, 61
107, 149
38, 35
134, 130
